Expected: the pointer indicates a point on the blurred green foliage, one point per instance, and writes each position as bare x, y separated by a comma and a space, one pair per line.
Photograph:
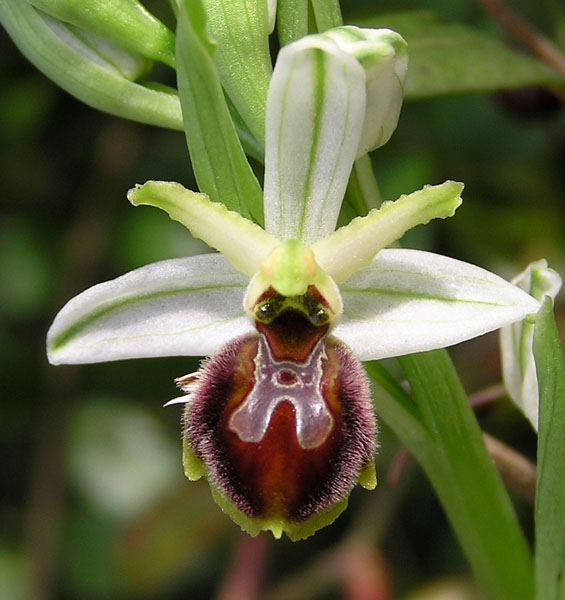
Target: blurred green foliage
93, 503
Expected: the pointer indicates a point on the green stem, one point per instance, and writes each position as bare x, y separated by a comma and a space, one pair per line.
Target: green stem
327, 14
363, 192
440, 430
457, 463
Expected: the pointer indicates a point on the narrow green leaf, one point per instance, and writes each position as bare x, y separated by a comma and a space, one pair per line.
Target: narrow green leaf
464, 477
292, 20
241, 29
218, 160
63, 57
450, 58
550, 494
125, 22
248, 142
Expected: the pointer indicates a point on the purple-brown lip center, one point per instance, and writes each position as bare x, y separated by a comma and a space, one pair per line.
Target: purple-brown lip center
283, 420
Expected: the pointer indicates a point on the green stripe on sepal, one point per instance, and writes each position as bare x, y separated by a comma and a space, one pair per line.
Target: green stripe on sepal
408, 301
179, 307
315, 110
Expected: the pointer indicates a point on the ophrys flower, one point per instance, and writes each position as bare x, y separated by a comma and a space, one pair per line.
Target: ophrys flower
279, 419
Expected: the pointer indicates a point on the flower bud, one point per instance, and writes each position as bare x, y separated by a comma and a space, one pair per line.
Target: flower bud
281, 423
516, 341
383, 55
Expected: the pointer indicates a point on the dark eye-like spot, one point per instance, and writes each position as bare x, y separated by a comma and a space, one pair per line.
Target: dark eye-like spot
319, 316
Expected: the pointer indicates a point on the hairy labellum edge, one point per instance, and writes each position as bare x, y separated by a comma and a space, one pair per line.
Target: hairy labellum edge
276, 479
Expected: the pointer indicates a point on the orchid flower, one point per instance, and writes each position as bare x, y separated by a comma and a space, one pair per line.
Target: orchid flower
516, 341
279, 419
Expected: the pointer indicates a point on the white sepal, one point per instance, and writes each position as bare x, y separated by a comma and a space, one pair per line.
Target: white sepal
315, 110
516, 342
179, 307
410, 301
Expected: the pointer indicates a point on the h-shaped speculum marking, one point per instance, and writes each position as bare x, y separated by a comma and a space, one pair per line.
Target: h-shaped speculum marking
299, 383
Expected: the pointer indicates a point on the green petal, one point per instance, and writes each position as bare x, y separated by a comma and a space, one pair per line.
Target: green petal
315, 110
352, 247
241, 241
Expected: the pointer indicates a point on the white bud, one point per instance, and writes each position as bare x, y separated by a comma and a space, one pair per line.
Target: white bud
383, 55
516, 341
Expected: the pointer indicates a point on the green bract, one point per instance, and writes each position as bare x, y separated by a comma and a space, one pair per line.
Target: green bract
125, 22
93, 69
245, 68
